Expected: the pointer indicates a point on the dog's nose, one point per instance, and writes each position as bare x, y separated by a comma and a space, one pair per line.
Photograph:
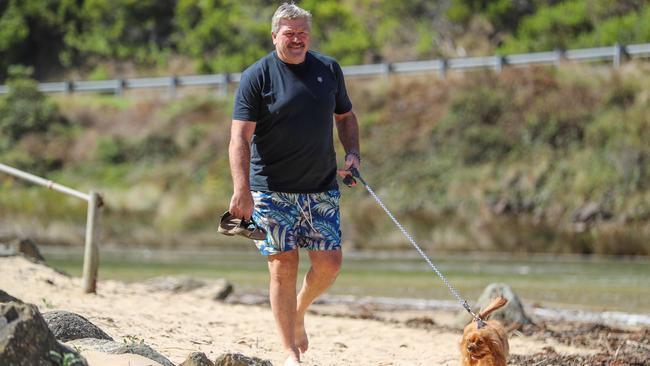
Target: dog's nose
471, 347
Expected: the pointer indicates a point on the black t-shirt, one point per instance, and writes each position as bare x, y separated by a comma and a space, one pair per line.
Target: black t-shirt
293, 106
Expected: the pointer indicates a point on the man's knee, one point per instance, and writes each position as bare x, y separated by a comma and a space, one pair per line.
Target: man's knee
328, 265
283, 266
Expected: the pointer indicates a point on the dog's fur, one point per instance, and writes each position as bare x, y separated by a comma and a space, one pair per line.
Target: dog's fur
487, 346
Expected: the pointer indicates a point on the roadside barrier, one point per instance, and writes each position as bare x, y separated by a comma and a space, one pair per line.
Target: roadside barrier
615, 54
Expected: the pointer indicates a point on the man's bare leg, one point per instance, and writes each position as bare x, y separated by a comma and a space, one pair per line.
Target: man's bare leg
283, 270
325, 266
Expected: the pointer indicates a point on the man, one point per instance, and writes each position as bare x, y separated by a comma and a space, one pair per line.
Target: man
283, 166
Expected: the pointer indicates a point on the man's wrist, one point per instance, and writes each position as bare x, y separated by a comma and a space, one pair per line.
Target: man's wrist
353, 153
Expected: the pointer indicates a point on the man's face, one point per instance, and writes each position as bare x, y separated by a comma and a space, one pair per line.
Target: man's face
292, 40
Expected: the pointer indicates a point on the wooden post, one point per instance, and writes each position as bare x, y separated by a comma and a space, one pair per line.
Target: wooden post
91, 254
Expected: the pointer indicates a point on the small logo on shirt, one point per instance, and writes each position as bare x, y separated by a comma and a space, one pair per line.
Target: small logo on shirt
320, 79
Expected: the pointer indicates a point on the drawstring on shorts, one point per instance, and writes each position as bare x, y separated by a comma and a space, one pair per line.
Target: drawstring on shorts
309, 219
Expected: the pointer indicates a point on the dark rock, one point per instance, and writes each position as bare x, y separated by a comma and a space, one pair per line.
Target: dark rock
25, 339
68, 326
589, 213
132, 346
5, 297
176, 284
511, 314
24, 246
218, 290
197, 359
422, 323
237, 359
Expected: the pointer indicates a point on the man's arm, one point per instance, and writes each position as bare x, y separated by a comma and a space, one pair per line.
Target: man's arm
239, 153
348, 130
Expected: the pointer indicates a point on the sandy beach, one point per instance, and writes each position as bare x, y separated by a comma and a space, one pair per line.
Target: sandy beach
177, 324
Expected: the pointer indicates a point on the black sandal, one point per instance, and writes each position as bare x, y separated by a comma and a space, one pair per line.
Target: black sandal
230, 225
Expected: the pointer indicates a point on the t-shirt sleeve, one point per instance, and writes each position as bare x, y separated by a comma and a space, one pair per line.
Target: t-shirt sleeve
247, 99
343, 103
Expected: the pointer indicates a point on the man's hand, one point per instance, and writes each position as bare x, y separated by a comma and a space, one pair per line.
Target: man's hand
241, 205
351, 161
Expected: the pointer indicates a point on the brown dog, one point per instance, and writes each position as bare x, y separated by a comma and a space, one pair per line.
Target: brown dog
487, 346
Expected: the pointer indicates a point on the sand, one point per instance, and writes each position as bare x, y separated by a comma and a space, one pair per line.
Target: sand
177, 324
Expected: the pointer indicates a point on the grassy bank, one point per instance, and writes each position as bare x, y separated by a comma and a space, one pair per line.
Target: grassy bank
536, 160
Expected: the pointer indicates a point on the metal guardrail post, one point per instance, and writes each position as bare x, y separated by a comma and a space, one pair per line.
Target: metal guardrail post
619, 53
223, 85
443, 69
559, 54
173, 83
91, 253
386, 70
499, 64
91, 256
119, 88
68, 86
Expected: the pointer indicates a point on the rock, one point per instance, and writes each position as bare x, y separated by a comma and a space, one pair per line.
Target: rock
131, 346
237, 359
512, 313
218, 290
68, 326
176, 284
589, 213
197, 359
5, 297
24, 246
25, 339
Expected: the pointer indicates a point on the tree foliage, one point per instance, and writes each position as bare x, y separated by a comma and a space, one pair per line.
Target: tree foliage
56, 36
24, 109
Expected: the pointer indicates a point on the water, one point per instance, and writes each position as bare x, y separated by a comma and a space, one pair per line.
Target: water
571, 283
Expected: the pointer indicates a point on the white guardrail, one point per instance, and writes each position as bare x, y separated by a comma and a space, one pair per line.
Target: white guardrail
91, 252
615, 54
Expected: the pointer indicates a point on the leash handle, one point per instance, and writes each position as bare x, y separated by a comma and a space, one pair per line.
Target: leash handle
349, 180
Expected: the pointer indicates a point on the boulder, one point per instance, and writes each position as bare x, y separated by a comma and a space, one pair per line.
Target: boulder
197, 359
25, 339
511, 314
5, 297
218, 290
237, 359
131, 346
176, 284
23, 246
67, 326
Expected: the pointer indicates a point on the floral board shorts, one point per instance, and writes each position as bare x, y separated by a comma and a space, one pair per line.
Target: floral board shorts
298, 220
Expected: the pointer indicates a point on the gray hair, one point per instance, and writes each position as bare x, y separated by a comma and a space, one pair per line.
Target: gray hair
289, 11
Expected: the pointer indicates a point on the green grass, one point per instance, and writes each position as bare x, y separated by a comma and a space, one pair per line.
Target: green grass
601, 284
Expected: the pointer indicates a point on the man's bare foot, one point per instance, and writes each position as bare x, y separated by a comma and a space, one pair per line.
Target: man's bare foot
292, 360
302, 342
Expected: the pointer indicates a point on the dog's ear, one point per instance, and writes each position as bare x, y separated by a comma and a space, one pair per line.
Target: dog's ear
494, 344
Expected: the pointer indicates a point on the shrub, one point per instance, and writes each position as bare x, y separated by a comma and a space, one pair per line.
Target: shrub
24, 109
